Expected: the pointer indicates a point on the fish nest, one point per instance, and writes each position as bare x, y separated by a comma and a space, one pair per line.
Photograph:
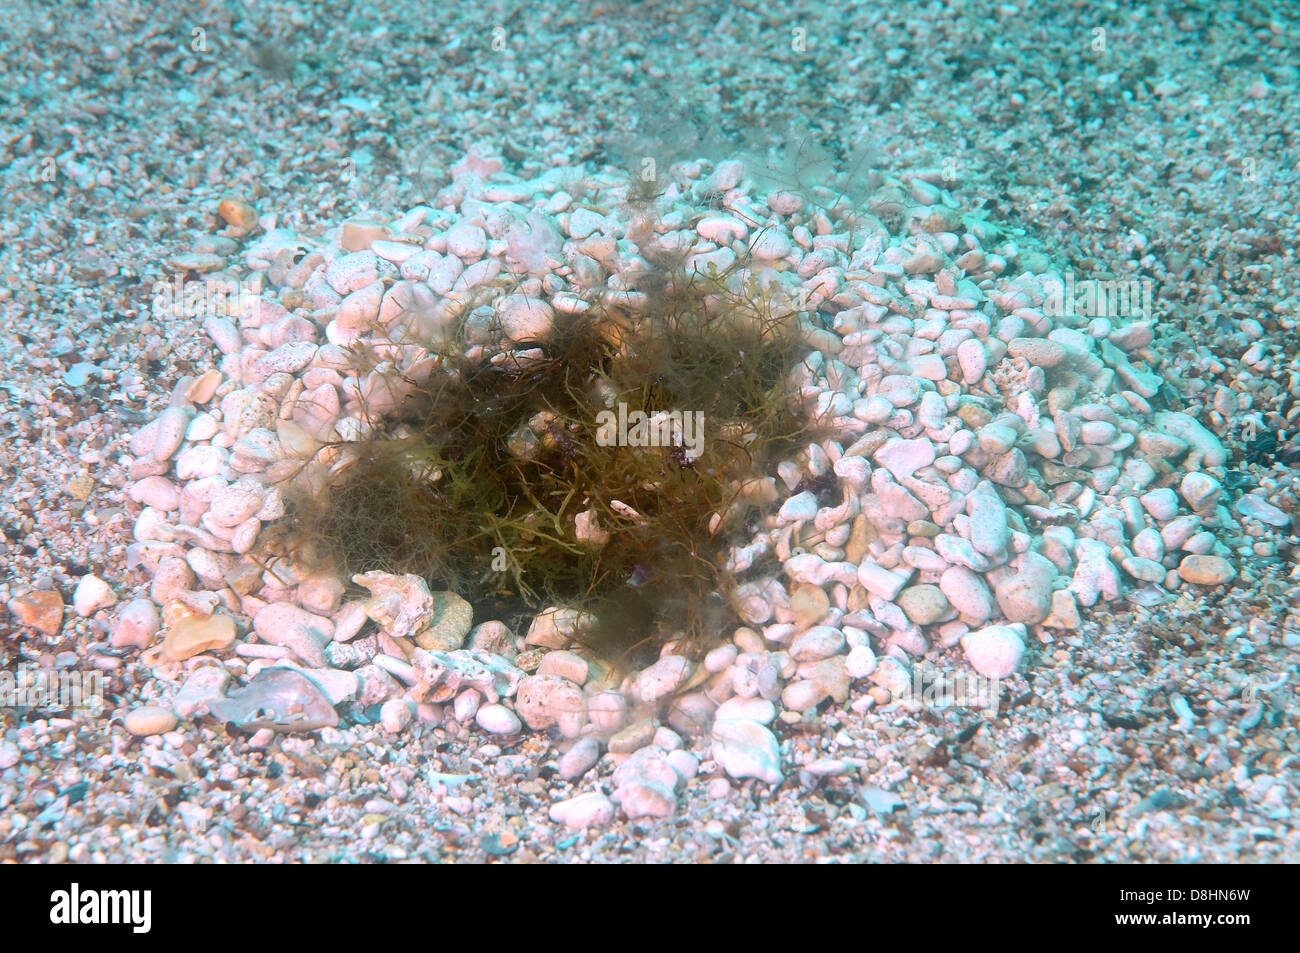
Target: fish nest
606, 464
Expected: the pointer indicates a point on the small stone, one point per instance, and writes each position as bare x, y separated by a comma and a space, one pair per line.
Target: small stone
880, 581
923, 604
579, 759
820, 642
1037, 351
1199, 490
633, 738
494, 636
802, 506
746, 709
1255, 507
497, 720
645, 785
172, 424
544, 701
903, 458
524, 318
9, 755
972, 359
204, 685
91, 595
809, 604
358, 234
396, 714
565, 664
592, 809
608, 711
1027, 596
237, 213
803, 694
1206, 570
41, 609
860, 662
662, 678
830, 676
968, 593
198, 634
995, 651
1064, 613
555, 628
137, 624
150, 720
746, 749
989, 530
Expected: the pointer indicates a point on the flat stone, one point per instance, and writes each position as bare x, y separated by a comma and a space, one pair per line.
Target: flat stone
41, 609
198, 634
150, 720
1206, 570
903, 458
1255, 507
592, 809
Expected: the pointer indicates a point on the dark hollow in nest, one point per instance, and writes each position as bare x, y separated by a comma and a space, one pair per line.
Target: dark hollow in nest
479, 481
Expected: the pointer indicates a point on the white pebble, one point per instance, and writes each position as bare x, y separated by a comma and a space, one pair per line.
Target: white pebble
92, 594
498, 720
995, 651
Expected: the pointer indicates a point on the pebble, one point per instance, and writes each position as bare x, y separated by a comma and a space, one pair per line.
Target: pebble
645, 784
150, 720
1027, 596
1255, 507
994, 651
972, 360
860, 662
819, 642
202, 686
923, 604
136, 625
197, 634
1206, 570
968, 593
545, 701
579, 759
903, 458
566, 665
396, 714
1199, 490
41, 609
608, 711
662, 678
498, 720
989, 531
91, 595
746, 709
592, 809
880, 581
746, 749
524, 318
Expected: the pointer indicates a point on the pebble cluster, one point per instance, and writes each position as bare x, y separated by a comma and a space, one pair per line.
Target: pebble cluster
999, 468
